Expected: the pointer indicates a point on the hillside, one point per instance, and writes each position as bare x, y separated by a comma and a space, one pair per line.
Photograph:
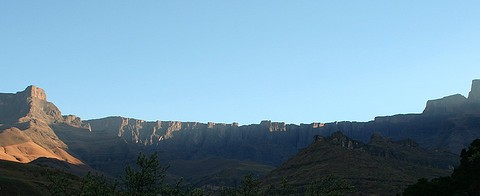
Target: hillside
380, 167
28, 179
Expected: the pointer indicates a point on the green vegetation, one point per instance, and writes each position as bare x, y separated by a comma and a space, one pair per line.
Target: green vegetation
148, 178
465, 179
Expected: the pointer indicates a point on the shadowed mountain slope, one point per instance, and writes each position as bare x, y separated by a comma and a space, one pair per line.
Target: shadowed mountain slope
380, 167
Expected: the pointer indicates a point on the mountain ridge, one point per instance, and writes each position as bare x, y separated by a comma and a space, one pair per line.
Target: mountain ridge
440, 109
107, 144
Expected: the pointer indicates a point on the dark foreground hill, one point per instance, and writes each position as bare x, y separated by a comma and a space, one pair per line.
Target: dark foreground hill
30, 179
382, 166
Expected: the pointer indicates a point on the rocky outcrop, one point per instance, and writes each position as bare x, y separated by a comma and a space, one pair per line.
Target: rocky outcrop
447, 105
456, 104
474, 95
340, 139
75, 121
26, 118
34, 92
13, 107
31, 105
273, 126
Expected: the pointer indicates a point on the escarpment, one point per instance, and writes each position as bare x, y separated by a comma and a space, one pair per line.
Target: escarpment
109, 143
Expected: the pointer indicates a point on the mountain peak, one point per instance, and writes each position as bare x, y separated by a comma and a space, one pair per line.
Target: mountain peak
448, 104
34, 92
31, 105
474, 95
456, 103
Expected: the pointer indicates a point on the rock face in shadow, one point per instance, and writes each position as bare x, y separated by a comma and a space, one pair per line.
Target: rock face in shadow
456, 104
447, 105
191, 140
474, 95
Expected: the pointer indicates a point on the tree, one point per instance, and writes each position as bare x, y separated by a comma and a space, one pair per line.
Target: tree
94, 184
329, 185
465, 179
250, 186
284, 188
60, 184
147, 178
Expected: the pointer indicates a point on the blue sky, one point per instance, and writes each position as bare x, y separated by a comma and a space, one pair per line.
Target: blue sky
240, 61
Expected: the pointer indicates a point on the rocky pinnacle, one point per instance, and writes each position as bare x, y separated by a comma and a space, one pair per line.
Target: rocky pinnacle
474, 95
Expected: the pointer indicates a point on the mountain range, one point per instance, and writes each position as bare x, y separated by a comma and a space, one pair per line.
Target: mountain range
214, 154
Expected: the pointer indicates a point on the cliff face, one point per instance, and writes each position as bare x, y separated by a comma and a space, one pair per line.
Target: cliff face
190, 140
271, 144
31, 105
474, 95
456, 104
449, 123
447, 105
20, 104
